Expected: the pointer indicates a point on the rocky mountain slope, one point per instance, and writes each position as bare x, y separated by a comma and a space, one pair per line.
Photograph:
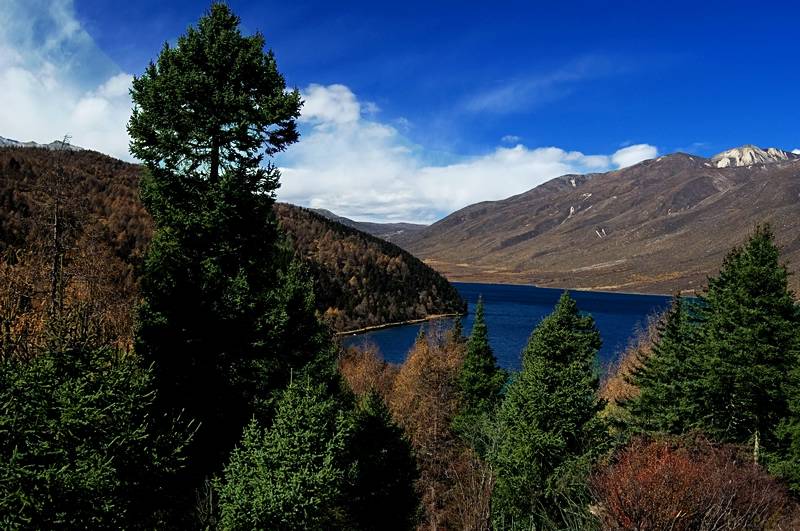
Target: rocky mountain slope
361, 280
658, 226
749, 155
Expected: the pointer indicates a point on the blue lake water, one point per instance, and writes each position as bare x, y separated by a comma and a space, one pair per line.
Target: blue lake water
513, 311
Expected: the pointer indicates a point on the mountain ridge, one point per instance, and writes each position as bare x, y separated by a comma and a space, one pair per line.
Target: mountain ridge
658, 226
360, 280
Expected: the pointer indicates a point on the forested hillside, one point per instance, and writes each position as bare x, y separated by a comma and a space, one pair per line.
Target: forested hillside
361, 280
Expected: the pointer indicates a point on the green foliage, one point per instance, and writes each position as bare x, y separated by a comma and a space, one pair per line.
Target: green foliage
79, 447
212, 105
664, 376
748, 343
548, 427
729, 365
226, 316
382, 493
480, 381
292, 475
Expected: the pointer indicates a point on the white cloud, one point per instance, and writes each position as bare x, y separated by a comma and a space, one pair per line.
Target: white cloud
510, 139
628, 156
367, 170
796, 151
54, 80
529, 91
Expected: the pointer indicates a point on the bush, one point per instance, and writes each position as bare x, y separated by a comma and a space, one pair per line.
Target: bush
669, 484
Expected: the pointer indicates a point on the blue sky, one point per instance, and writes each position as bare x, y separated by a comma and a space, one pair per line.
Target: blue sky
415, 109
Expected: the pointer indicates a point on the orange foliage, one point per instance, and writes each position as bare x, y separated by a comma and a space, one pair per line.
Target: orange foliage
365, 371
424, 401
670, 485
615, 386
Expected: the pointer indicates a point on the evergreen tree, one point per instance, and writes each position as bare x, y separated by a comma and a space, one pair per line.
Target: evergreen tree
294, 474
548, 427
79, 445
226, 317
748, 346
784, 460
382, 494
665, 375
480, 381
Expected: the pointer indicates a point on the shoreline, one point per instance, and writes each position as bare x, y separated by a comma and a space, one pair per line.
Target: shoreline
589, 290
372, 328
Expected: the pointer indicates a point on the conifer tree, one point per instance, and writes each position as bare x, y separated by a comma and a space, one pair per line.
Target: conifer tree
226, 317
548, 428
748, 346
294, 474
480, 381
79, 443
665, 375
382, 493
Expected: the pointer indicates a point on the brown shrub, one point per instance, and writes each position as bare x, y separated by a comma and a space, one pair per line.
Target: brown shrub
471, 497
667, 484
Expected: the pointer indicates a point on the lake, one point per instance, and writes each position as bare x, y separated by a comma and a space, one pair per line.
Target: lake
513, 311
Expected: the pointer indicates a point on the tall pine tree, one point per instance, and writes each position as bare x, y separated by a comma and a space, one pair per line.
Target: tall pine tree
226, 316
748, 344
480, 381
548, 427
665, 375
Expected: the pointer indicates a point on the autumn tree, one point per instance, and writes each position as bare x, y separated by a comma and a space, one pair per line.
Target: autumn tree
424, 402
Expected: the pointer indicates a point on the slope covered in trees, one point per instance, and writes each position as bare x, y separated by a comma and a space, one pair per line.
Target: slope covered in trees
360, 280
363, 280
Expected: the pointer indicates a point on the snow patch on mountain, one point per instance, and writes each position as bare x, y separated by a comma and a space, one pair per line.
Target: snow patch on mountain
55, 144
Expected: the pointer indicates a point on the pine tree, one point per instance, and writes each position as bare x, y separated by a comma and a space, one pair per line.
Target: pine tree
548, 427
79, 443
480, 382
294, 474
665, 375
748, 345
382, 493
226, 316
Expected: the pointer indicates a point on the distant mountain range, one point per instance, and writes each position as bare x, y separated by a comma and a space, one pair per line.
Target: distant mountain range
659, 226
386, 231
56, 144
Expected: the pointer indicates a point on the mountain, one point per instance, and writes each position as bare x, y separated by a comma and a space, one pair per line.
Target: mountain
385, 231
361, 280
54, 145
658, 226
749, 155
